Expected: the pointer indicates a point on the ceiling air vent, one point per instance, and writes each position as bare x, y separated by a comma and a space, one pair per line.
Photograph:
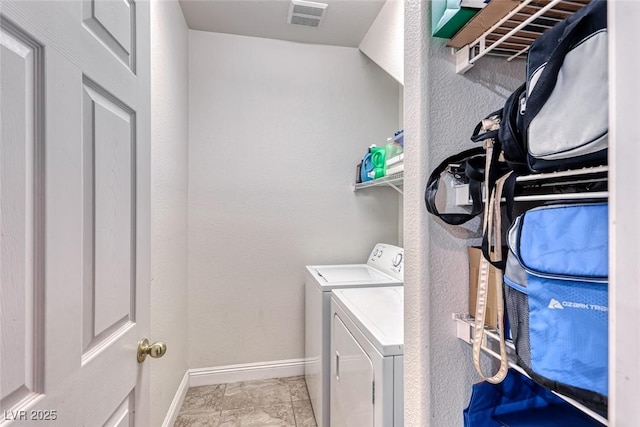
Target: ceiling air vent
307, 13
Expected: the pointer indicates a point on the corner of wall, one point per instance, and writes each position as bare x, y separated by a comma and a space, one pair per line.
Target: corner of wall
384, 42
169, 133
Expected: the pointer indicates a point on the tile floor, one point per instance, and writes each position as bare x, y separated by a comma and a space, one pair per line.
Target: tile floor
281, 402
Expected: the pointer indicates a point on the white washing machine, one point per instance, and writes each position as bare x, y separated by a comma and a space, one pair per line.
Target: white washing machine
384, 267
367, 357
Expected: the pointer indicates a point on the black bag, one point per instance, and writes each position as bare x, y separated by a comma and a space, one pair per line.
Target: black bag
560, 118
468, 169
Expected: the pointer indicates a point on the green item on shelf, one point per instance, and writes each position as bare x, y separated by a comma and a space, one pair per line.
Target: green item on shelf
379, 162
392, 149
448, 17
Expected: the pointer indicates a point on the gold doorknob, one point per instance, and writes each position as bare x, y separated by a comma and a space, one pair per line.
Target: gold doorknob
155, 350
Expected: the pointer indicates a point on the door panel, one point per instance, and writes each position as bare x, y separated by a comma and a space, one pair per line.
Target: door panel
351, 380
109, 147
113, 23
75, 148
121, 417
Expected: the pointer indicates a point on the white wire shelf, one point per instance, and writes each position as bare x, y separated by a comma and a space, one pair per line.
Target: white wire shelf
596, 170
490, 346
394, 181
544, 186
547, 181
562, 196
512, 35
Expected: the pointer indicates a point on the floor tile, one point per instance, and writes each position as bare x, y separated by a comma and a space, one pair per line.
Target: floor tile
278, 415
303, 412
279, 402
204, 398
298, 388
251, 394
198, 419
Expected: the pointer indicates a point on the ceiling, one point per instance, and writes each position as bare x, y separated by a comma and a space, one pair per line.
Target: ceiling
345, 21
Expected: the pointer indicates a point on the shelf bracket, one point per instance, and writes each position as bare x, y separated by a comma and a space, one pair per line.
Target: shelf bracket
462, 60
389, 180
395, 187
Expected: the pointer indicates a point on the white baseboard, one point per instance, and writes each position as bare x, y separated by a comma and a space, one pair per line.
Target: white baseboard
246, 372
177, 401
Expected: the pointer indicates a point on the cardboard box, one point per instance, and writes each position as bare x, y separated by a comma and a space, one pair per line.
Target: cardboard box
491, 315
485, 19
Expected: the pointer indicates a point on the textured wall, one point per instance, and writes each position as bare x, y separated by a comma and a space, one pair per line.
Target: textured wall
169, 144
441, 110
276, 130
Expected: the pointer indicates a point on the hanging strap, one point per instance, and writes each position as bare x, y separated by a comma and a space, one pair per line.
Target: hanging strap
491, 226
506, 190
488, 127
488, 130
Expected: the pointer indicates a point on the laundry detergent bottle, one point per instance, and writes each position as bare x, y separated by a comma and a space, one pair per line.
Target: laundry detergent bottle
366, 170
378, 160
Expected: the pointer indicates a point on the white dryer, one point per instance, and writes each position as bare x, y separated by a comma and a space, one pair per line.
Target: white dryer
367, 363
384, 267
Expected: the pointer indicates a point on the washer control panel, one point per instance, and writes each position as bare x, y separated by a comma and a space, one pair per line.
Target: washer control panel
388, 259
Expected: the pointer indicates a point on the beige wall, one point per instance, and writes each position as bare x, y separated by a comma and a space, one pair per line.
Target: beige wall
169, 143
276, 131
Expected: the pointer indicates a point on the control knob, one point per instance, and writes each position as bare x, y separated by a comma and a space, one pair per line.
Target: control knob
397, 260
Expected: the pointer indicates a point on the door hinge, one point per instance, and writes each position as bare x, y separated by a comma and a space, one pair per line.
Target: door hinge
373, 392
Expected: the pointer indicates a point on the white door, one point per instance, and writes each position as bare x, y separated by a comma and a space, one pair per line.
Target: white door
74, 198
352, 380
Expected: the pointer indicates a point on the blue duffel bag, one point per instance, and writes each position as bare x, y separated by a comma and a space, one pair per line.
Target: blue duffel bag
556, 292
518, 401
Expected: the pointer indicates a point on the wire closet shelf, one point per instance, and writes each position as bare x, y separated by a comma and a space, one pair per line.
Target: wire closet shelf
512, 35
